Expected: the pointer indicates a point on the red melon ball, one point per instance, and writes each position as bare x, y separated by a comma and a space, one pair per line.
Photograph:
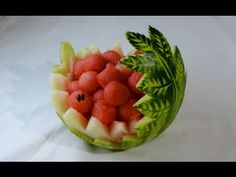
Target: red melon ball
78, 68
124, 71
103, 112
116, 93
94, 62
111, 56
133, 80
98, 95
72, 86
127, 112
110, 73
88, 82
80, 101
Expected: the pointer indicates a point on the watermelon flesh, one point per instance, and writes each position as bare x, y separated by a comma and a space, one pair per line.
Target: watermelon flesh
88, 82
111, 56
107, 101
94, 62
78, 69
104, 112
80, 101
127, 112
98, 95
110, 73
71, 86
116, 93
133, 80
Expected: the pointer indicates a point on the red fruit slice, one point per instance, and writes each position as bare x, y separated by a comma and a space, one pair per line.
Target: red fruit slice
88, 82
124, 71
138, 52
127, 112
133, 80
104, 112
78, 68
110, 73
94, 62
111, 56
98, 95
80, 101
72, 86
116, 93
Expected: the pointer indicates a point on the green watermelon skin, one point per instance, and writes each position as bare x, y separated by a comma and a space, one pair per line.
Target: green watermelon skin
163, 83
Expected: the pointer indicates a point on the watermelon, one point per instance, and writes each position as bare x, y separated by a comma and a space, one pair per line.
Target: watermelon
116, 93
124, 71
104, 112
92, 49
78, 68
71, 86
131, 125
88, 82
118, 130
110, 73
118, 101
58, 81
137, 52
60, 101
127, 112
111, 56
133, 80
82, 53
96, 129
117, 48
80, 101
75, 120
94, 62
98, 95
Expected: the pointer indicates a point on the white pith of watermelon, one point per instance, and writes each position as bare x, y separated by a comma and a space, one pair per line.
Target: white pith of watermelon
75, 120
93, 49
58, 81
59, 100
116, 47
82, 53
96, 129
118, 130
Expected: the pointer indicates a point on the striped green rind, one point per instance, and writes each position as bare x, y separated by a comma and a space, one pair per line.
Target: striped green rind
154, 86
106, 144
153, 108
130, 141
140, 42
134, 62
163, 85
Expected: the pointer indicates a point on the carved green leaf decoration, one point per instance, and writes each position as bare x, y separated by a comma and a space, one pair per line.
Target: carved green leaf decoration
163, 82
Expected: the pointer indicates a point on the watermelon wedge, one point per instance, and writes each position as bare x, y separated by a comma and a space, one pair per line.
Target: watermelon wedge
118, 101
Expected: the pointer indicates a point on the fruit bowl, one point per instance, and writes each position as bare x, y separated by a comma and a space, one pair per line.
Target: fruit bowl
118, 101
